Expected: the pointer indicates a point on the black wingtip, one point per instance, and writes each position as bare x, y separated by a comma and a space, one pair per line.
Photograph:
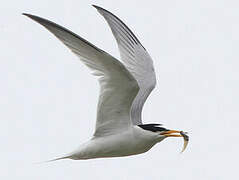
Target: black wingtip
98, 7
37, 19
95, 6
28, 15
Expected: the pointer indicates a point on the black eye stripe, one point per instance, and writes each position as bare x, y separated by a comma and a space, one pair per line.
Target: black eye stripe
153, 127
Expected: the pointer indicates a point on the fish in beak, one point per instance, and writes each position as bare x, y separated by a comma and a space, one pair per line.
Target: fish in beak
175, 133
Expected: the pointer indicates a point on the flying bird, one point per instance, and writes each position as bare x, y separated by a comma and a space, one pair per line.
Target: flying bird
124, 88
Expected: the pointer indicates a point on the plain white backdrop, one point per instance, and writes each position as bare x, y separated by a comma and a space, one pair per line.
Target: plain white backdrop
48, 97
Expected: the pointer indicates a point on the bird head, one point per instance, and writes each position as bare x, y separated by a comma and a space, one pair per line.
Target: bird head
163, 133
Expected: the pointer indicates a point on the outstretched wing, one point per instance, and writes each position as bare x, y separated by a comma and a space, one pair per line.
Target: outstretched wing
118, 87
136, 59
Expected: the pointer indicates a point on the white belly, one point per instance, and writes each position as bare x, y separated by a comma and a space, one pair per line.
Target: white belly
132, 141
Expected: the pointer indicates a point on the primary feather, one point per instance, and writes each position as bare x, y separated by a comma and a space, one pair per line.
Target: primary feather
136, 59
118, 87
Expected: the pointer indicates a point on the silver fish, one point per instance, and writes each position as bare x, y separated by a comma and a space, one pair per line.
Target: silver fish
186, 139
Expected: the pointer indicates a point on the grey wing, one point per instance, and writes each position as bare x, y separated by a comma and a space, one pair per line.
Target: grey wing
118, 87
136, 59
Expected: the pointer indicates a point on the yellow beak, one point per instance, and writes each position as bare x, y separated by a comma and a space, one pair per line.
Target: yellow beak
170, 133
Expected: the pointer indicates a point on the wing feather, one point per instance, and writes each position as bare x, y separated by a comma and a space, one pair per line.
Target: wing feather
136, 59
118, 87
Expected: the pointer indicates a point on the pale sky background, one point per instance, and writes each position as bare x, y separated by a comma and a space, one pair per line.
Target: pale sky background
48, 97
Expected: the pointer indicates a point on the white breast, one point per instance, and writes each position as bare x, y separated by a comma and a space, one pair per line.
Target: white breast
132, 141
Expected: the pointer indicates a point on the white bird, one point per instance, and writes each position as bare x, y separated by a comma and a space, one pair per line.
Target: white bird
124, 88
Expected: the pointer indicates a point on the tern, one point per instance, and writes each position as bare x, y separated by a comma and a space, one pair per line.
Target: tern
124, 88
